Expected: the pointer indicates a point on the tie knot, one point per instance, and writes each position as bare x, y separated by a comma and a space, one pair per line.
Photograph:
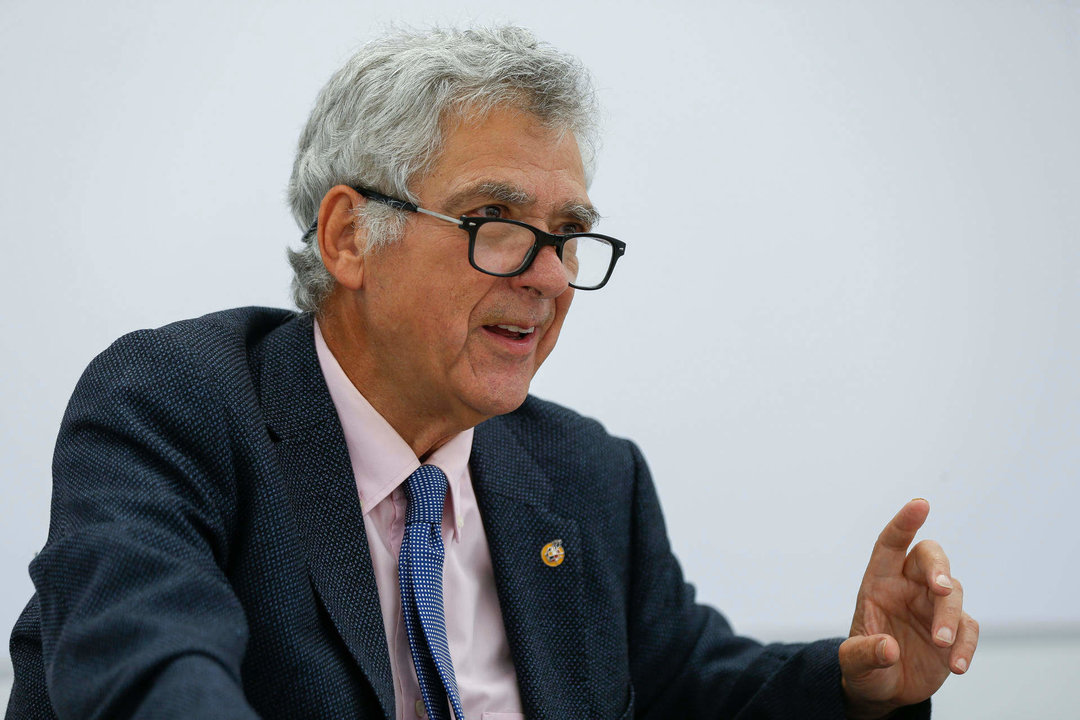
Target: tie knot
425, 491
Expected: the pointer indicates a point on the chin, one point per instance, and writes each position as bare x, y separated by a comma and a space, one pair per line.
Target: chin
501, 399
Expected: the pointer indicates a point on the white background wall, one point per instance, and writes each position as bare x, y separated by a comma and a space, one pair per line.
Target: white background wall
852, 273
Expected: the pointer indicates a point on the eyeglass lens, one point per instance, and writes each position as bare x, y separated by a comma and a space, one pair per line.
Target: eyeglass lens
502, 248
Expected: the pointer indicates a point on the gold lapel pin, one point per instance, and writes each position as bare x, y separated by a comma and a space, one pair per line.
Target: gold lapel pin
553, 553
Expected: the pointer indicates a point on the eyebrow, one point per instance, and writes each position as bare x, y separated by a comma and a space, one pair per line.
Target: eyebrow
585, 214
512, 195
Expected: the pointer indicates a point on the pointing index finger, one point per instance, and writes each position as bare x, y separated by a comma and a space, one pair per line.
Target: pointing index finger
892, 544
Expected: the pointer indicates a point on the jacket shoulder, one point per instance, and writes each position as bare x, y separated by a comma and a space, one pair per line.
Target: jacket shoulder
537, 411
567, 444
208, 345
237, 327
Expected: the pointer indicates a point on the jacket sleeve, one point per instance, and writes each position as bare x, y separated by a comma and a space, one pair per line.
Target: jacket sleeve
685, 660
137, 617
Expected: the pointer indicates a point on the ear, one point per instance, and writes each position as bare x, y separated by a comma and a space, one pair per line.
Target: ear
340, 242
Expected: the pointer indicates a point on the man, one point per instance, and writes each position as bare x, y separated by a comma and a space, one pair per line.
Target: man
358, 512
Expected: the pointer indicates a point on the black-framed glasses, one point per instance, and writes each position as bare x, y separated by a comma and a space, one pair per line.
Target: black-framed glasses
506, 248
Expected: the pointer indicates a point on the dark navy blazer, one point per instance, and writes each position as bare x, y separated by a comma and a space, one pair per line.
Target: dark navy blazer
207, 559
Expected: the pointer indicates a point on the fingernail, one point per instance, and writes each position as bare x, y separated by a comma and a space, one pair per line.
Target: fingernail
881, 650
961, 665
945, 635
944, 581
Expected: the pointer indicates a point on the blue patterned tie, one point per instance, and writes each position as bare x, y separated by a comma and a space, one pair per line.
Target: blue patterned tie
420, 571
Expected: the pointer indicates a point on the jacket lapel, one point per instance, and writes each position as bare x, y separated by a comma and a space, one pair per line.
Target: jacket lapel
318, 473
541, 604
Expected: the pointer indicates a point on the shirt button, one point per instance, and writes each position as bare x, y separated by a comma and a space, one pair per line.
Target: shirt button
460, 522
421, 711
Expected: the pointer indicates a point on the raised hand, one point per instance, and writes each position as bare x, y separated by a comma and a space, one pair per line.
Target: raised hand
909, 630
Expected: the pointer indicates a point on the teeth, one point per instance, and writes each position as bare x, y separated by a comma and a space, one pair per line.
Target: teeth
515, 328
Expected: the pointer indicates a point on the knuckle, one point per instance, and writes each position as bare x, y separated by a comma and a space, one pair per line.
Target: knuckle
951, 614
930, 546
933, 553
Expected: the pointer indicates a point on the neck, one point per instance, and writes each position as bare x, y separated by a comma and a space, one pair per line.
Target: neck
424, 429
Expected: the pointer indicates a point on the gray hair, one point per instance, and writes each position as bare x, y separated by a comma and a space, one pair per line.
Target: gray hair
379, 122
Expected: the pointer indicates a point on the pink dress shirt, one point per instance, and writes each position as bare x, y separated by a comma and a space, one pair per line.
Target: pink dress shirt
381, 461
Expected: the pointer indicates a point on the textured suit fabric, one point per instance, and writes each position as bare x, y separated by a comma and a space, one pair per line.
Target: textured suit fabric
207, 557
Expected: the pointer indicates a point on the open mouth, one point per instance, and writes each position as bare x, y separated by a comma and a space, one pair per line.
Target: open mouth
512, 332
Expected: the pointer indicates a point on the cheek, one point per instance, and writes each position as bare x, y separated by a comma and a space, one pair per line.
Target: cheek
562, 307
456, 313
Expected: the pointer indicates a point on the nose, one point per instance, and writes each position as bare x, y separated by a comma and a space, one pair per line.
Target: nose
545, 277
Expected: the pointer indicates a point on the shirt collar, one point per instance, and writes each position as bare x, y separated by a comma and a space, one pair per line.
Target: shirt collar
381, 459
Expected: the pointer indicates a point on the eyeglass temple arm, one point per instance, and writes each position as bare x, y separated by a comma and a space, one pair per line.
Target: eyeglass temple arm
403, 204
434, 214
387, 200
392, 202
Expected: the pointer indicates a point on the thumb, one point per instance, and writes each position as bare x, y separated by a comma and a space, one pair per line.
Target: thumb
862, 654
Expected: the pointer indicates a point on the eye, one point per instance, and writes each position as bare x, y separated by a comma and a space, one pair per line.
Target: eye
494, 211
570, 228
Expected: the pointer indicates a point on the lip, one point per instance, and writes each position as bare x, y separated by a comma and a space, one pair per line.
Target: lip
514, 346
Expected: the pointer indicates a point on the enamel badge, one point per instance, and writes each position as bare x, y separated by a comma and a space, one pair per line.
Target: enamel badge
553, 553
